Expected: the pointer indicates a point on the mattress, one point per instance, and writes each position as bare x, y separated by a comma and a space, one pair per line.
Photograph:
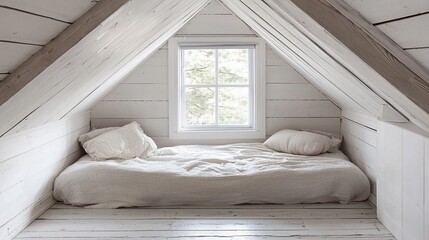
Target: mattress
212, 175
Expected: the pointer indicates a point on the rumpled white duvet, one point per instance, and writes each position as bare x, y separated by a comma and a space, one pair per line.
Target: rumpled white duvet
212, 175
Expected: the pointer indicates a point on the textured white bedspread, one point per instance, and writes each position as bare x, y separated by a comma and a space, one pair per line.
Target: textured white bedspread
212, 175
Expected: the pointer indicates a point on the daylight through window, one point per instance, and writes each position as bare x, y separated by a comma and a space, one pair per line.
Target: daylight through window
217, 86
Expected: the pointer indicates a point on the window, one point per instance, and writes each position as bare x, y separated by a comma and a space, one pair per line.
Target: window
217, 88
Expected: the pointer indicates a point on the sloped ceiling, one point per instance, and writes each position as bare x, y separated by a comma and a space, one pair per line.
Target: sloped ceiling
404, 21
92, 68
27, 25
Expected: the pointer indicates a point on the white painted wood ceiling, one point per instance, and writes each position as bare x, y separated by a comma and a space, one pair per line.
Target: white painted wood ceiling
405, 21
27, 25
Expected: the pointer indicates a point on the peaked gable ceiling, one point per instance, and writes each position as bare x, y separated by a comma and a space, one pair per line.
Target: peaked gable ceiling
91, 68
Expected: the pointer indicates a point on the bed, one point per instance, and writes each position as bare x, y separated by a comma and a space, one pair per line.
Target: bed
212, 175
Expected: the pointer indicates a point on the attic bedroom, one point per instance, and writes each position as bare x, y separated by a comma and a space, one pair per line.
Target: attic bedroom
214, 119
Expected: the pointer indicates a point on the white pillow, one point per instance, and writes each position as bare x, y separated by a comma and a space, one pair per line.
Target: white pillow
83, 138
126, 142
298, 142
336, 139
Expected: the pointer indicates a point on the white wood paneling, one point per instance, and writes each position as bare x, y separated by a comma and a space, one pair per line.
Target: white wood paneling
27, 216
215, 25
408, 33
293, 91
64, 10
16, 144
359, 144
119, 109
421, 55
158, 127
291, 101
29, 163
389, 195
139, 92
360, 131
402, 151
148, 74
298, 108
22, 27
359, 117
323, 124
386, 10
12, 55
97, 63
426, 188
283, 74
215, 7
413, 186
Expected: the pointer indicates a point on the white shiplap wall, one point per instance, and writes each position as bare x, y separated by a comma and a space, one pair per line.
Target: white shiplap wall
29, 163
360, 144
403, 181
291, 101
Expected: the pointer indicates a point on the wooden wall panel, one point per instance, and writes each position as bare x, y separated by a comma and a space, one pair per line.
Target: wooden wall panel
63, 10
426, 188
386, 10
13, 55
389, 194
402, 151
293, 91
124, 91
29, 163
292, 102
413, 186
131, 109
204, 24
408, 33
360, 145
421, 55
21, 27
148, 74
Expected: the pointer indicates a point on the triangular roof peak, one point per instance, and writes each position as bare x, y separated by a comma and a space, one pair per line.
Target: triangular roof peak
333, 52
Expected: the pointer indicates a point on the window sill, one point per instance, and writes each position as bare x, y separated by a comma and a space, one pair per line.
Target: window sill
230, 134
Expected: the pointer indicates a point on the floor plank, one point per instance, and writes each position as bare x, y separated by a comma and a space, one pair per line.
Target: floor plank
299, 221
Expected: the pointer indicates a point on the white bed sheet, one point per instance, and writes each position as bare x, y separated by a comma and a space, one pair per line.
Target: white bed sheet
212, 175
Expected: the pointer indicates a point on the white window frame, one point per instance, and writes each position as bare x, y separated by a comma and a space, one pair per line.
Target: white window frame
257, 113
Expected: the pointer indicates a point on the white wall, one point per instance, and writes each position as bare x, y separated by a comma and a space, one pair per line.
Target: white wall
29, 163
360, 144
291, 102
395, 157
403, 180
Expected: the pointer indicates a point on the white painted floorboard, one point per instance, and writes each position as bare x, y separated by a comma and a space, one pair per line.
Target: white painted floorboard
301, 221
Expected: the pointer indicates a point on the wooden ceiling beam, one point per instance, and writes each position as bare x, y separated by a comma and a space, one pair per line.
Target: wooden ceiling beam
37, 63
404, 89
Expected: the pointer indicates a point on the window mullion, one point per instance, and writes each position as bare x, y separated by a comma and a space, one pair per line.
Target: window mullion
216, 87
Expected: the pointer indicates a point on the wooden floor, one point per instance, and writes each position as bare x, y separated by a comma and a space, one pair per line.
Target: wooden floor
303, 221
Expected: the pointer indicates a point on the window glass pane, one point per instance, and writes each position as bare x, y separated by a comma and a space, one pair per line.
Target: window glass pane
199, 66
233, 66
200, 106
234, 106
